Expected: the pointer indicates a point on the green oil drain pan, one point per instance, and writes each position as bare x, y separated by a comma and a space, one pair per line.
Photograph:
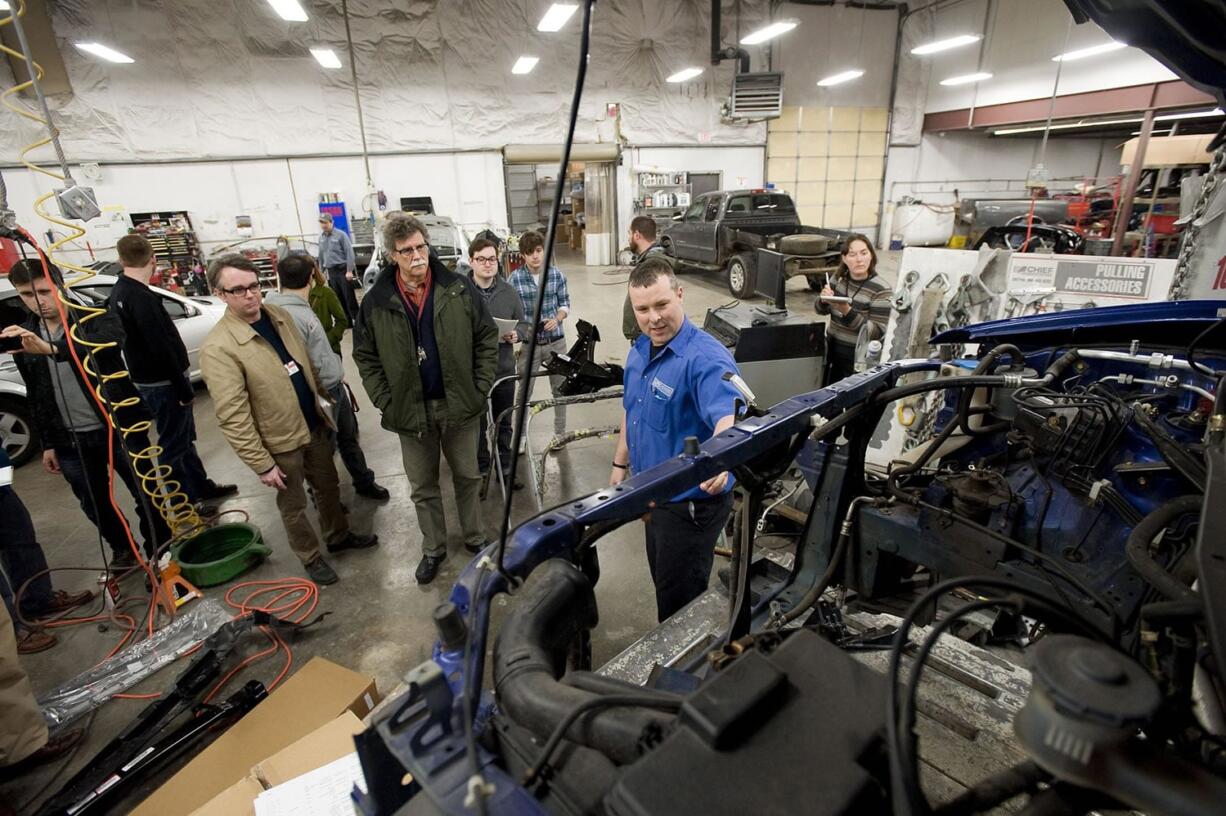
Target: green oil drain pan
220, 553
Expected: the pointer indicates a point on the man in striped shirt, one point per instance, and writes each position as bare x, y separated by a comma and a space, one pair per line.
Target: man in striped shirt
855, 295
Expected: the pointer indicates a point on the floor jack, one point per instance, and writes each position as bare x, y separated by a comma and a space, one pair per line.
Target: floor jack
150, 741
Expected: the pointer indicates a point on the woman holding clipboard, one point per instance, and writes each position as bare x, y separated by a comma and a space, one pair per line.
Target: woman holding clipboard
855, 295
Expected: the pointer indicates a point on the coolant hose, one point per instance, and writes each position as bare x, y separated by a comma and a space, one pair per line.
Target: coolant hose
553, 609
1139, 540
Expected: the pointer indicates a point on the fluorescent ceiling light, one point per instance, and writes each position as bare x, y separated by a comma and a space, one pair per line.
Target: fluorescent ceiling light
966, 79
684, 74
1191, 115
1092, 51
1107, 122
288, 10
326, 57
524, 64
945, 45
842, 76
769, 32
556, 17
108, 54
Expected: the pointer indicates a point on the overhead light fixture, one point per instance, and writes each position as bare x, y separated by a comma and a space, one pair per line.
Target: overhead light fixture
684, 74
1132, 120
945, 45
524, 64
557, 16
1092, 51
966, 79
288, 10
326, 57
839, 78
108, 54
769, 32
4, 6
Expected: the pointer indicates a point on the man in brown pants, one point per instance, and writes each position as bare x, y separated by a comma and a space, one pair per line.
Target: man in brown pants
272, 410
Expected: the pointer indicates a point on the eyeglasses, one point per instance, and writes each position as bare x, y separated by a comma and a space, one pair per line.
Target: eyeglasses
410, 251
240, 291
489, 259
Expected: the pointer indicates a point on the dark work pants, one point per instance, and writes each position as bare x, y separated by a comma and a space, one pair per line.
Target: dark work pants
347, 438
176, 426
681, 540
840, 360
502, 399
22, 558
85, 467
344, 290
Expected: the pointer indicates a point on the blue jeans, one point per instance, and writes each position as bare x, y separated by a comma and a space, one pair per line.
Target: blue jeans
22, 558
176, 426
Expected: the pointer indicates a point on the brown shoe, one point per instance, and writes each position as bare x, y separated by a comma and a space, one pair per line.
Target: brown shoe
62, 601
32, 641
57, 745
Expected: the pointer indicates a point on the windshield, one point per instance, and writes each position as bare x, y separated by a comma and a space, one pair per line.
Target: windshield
760, 204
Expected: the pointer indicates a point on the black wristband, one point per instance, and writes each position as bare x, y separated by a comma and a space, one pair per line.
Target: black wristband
623, 467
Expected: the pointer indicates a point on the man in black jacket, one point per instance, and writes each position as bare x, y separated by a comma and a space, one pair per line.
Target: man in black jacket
157, 360
69, 422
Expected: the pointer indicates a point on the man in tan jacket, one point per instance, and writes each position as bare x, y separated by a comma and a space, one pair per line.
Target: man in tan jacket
270, 407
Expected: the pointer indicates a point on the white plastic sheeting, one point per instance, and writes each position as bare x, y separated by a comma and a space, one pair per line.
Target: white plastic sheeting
228, 78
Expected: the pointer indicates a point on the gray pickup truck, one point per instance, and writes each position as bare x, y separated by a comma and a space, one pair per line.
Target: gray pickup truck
723, 231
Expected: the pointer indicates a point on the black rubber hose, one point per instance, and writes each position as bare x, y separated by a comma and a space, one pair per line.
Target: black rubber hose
997, 789
964, 399
1143, 562
552, 609
600, 684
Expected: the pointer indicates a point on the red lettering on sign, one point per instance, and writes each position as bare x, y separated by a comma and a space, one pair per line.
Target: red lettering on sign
1220, 281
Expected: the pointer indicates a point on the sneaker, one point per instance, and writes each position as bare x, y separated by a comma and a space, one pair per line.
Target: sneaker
206, 511
62, 601
34, 640
353, 541
321, 572
476, 548
427, 568
373, 490
212, 490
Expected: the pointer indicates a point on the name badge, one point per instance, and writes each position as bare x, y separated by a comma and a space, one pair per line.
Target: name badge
661, 390
291, 367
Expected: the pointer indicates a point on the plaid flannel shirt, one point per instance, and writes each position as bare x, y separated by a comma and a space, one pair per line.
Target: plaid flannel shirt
556, 297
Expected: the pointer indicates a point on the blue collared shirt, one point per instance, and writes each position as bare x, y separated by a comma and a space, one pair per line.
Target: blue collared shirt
335, 249
678, 394
556, 297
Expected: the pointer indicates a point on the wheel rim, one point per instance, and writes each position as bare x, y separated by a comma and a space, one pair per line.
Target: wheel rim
15, 434
736, 276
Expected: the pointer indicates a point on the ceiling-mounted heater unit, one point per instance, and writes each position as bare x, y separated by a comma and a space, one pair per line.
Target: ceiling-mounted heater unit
756, 96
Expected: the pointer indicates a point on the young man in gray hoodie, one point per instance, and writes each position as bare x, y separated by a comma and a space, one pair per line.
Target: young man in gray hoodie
294, 273
503, 302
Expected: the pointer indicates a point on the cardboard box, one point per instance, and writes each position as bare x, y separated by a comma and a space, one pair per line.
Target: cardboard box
314, 696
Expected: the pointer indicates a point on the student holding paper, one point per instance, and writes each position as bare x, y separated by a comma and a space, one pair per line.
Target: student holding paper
507, 310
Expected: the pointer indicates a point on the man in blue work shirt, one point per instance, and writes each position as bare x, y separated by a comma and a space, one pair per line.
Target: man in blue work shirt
674, 388
336, 259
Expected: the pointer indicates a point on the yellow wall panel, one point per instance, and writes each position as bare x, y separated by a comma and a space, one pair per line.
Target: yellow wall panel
872, 144
811, 170
838, 216
840, 192
844, 144
841, 169
869, 168
787, 121
781, 144
812, 144
812, 215
781, 170
815, 119
842, 119
873, 120
810, 193
864, 215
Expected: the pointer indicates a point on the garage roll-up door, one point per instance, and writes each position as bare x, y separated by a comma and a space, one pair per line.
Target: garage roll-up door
543, 154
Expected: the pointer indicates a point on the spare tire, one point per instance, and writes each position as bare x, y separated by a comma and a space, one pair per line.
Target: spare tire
804, 244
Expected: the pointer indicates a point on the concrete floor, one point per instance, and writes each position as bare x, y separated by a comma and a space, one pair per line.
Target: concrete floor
380, 622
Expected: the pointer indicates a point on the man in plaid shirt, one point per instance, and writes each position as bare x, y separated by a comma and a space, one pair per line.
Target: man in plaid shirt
527, 280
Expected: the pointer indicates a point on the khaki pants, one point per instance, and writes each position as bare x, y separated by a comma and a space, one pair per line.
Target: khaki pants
22, 727
312, 464
458, 443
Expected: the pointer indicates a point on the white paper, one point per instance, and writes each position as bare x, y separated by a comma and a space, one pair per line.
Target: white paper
321, 792
505, 325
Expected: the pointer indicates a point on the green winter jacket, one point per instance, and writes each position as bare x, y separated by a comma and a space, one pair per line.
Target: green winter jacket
386, 354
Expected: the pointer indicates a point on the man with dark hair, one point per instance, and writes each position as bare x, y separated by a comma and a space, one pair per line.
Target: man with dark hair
427, 350
295, 273
337, 259
157, 361
551, 337
643, 244
271, 410
503, 302
674, 388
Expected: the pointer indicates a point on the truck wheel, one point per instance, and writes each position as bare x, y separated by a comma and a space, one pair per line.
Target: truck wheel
16, 431
807, 245
741, 275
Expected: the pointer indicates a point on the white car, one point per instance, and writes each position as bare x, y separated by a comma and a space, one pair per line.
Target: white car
193, 316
